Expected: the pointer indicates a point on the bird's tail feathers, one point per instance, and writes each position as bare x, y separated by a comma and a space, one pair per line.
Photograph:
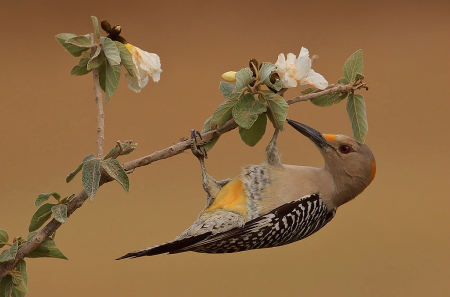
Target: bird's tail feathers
169, 247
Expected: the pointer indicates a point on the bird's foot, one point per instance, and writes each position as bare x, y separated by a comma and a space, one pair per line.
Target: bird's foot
197, 150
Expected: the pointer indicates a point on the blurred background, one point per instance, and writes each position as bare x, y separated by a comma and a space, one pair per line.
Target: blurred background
393, 240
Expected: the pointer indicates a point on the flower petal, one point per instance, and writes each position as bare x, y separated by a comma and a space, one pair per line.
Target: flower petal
316, 80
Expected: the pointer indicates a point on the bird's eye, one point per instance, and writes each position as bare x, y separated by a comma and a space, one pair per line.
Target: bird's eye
345, 149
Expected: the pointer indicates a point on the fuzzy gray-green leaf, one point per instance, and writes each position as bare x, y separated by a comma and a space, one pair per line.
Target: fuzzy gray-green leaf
81, 41
96, 27
47, 249
41, 198
125, 57
246, 110
40, 216
81, 68
207, 128
4, 238
222, 113
353, 65
309, 90
73, 173
356, 109
253, 135
278, 110
325, 100
243, 78
6, 286
102, 75
10, 253
20, 280
72, 49
226, 89
265, 71
343, 81
96, 60
60, 213
112, 79
90, 177
111, 51
115, 170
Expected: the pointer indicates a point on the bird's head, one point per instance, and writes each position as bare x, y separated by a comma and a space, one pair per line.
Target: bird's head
351, 163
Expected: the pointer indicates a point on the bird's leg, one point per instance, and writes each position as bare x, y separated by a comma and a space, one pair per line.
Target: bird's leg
272, 156
210, 185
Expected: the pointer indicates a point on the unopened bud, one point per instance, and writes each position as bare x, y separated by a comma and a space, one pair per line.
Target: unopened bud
229, 76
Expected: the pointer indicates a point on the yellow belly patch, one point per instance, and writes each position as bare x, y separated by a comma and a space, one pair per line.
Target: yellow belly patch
231, 198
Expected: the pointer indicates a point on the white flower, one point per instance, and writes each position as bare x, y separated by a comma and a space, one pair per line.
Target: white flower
145, 65
295, 71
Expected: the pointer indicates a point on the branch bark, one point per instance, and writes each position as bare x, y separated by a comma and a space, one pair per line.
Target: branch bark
171, 151
100, 113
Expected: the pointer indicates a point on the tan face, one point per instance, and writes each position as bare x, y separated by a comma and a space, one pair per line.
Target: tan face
355, 158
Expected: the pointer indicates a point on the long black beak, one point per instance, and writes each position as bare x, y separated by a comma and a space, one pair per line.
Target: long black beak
311, 133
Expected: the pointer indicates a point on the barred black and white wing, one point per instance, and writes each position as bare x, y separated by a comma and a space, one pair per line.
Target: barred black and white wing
286, 224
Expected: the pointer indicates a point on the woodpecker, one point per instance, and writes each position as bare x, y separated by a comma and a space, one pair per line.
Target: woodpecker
274, 204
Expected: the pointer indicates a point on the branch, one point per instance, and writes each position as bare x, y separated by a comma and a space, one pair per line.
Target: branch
100, 113
171, 151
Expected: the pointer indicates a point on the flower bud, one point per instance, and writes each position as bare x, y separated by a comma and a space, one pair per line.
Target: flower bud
229, 76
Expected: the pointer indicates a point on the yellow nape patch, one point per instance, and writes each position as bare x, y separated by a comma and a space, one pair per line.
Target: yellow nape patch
329, 137
231, 198
373, 171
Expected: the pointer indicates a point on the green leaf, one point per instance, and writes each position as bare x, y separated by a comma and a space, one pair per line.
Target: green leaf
341, 97
47, 249
41, 198
20, 280
96, 28
356, 109
112, 80
72, 49
115, 170
4, 238
81, 68
96, 60
309, 90
246, 111
40, 216
223, 113
265, 71
125, 57
353, 65
127, 149
6, 286
278, 110
253, 135
102, 76
10, 253
111, 51
73, 173
226, 89
90, 177
243, 78
60, 213
81, 41
325, 100
265, 74
207, 128
359, 76
343, 81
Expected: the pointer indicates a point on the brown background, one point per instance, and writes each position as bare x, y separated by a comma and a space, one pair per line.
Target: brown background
393, 240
